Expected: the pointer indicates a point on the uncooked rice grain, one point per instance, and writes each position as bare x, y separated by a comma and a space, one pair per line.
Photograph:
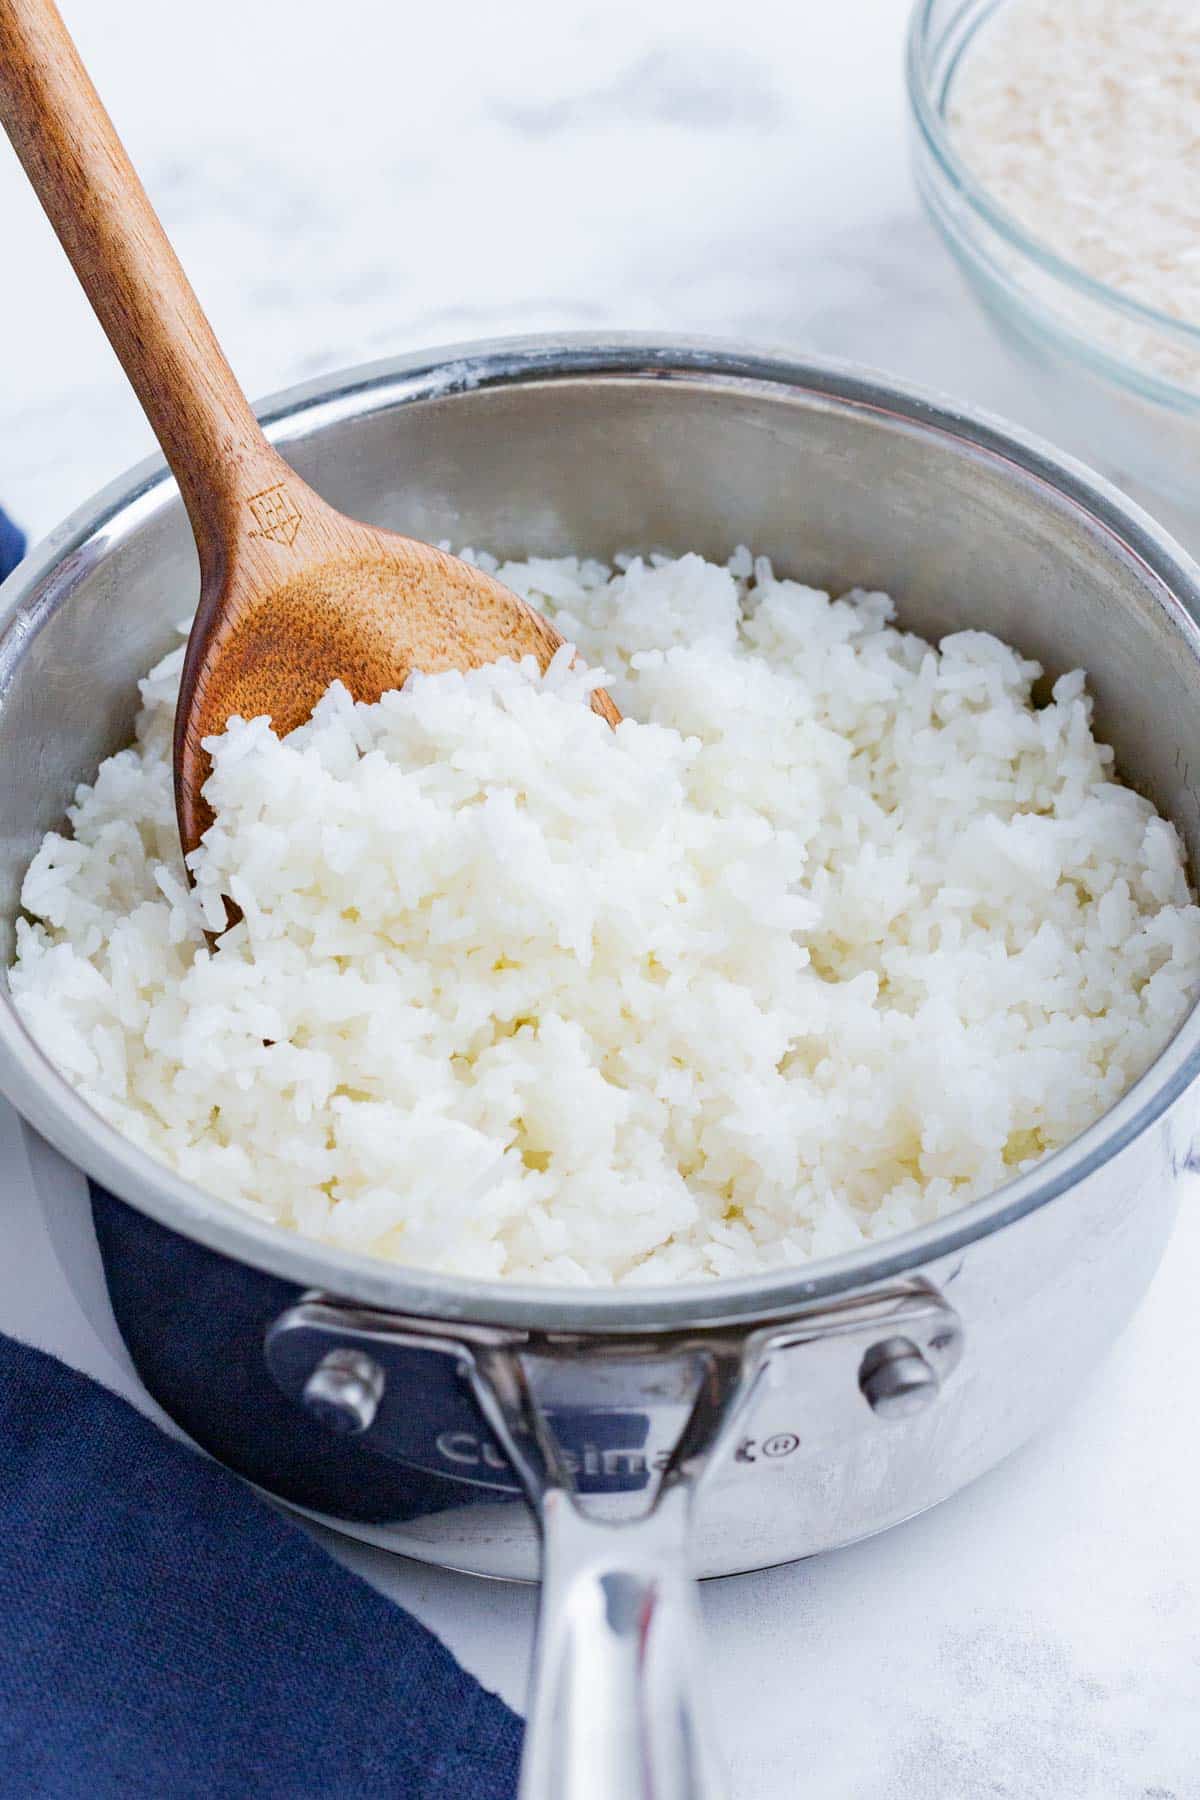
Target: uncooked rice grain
1080, 119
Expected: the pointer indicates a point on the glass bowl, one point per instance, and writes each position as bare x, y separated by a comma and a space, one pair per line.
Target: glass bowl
1117, 380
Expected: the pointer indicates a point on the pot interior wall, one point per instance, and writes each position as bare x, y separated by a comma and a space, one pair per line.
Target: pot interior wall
837, 493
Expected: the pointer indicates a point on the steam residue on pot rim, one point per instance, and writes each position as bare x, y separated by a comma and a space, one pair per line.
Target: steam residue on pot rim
837, 932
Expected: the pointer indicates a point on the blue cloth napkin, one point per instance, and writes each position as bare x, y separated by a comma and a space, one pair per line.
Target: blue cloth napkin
12, 545
165, 1634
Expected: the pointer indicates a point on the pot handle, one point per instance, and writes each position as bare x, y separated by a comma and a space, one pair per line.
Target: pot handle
617, 1707
617, 1704
616, 1710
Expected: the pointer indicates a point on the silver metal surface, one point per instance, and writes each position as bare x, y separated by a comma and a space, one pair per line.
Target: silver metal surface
617, 1705
344, 1390
546, 447
896, 1380
618, 1700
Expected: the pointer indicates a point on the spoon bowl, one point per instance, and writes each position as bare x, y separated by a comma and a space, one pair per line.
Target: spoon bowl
315, 596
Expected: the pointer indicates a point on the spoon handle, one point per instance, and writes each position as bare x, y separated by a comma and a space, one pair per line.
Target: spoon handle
118, 249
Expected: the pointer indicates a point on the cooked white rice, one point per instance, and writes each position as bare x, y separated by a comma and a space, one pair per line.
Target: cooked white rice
835, 933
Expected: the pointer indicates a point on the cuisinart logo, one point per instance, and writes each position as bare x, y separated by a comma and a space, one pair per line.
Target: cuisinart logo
605, 1452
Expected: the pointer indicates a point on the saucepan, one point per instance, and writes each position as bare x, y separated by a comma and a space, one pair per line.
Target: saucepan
621, 1442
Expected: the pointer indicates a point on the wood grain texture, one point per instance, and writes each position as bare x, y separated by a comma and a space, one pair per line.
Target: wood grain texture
292, 594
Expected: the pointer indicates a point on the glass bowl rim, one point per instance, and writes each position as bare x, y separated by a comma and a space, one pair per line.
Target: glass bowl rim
930, 122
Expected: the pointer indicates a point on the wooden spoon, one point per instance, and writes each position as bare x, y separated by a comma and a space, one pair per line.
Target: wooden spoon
293, 595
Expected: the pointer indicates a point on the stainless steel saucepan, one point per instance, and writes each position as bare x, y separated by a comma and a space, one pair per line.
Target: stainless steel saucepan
648, 1435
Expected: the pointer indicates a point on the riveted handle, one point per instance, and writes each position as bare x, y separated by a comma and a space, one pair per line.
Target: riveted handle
617, 1705
618, 1708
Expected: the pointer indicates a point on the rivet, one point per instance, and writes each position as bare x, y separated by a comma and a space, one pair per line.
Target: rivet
344, 1390
896, 1380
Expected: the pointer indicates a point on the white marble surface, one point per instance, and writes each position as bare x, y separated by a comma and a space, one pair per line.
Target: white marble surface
348, 181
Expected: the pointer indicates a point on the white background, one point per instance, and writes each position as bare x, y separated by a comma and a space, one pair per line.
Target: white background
347, 181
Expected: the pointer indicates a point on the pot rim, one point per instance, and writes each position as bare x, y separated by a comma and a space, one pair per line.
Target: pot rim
52, 1106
